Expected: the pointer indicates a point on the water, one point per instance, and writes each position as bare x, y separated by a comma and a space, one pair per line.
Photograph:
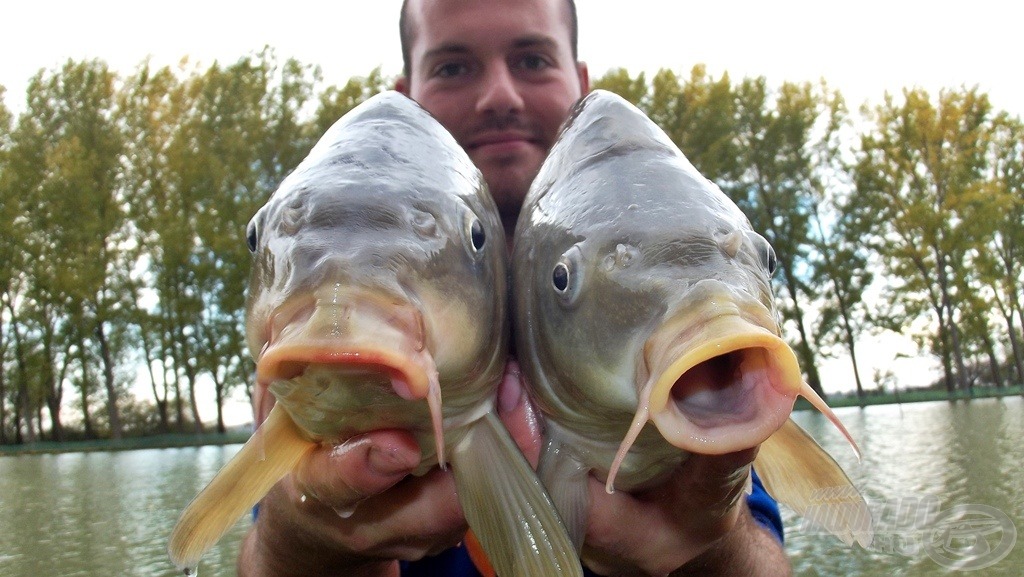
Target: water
110, 513
104, 513
962, 456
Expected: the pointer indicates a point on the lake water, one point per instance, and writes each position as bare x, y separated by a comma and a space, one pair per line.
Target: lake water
943, 479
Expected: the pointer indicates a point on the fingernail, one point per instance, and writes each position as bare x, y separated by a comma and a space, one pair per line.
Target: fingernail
384, 461
510, 392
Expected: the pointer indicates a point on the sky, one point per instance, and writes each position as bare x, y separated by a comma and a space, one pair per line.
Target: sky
864, 49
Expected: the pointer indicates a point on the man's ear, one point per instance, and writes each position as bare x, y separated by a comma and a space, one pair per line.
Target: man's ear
584, 75
402, 85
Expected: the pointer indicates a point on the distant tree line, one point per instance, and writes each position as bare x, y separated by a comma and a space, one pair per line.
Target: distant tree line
124, 200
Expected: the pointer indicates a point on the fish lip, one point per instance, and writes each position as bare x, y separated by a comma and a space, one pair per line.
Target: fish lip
751, 379
287, 360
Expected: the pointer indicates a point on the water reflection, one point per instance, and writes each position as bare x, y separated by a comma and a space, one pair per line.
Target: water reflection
103, 513
920, 462
110, 513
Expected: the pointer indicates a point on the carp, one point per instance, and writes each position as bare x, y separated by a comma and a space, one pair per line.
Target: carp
378, 299
643, 295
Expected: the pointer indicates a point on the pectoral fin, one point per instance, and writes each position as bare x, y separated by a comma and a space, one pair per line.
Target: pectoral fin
799, 473
268, 456
506, 506
565, 478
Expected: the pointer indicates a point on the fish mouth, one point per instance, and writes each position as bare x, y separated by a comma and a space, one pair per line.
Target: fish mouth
726, 393
718, 382
330, 358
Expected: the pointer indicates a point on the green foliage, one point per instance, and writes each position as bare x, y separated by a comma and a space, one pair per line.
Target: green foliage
124, 203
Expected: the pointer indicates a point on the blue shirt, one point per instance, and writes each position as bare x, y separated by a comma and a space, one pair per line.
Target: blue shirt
455, 562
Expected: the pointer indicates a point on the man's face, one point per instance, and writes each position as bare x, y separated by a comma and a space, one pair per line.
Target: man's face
500, 76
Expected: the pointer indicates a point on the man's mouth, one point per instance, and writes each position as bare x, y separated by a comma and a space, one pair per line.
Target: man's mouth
500, 141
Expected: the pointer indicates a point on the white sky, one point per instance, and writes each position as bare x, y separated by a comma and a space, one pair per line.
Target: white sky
863, 48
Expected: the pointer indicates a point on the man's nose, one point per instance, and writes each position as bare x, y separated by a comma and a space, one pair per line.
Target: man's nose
500, 92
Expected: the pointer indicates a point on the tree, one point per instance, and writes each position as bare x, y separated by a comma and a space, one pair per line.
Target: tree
917, 174
777, 183
10, 255
77, 222
998, 261
620, 82
335, 102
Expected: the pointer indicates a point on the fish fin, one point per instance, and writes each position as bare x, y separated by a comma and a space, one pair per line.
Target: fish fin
799, 473
266, 457
506, 506
566, 481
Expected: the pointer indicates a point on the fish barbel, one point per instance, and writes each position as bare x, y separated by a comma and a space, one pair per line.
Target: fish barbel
642, 294
377, 300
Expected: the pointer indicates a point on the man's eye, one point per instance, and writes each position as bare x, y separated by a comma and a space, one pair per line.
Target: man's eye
450, 70
533, 62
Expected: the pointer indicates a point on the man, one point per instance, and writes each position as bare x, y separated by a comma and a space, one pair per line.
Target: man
501, 75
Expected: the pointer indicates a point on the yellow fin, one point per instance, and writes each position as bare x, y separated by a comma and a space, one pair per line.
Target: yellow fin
799, 473
267, 457
506, 506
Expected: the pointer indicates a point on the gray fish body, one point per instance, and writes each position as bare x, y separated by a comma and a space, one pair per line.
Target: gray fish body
377, 300
647, 242
375, 232
642, 295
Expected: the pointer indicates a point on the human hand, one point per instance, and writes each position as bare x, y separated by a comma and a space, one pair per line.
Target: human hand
696, 522
700, 504
353, 510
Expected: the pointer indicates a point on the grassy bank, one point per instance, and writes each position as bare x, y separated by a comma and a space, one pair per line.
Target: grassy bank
128, 444
912, 396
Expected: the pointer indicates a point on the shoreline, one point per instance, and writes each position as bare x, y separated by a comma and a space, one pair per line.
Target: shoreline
241, 434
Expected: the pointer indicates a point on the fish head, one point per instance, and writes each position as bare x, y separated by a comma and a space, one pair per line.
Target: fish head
643, 294
379, 273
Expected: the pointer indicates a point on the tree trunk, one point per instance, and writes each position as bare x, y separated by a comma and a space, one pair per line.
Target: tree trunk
113, 413
22, 403
3, 387
54, 391
85, 388
161, 403
3, 405
190, 373
993, 361
806, 353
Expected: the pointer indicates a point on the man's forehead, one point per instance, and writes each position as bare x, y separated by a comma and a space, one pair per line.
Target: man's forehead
523, 42
539, 22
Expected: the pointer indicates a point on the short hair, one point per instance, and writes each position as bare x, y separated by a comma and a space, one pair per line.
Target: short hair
405, 35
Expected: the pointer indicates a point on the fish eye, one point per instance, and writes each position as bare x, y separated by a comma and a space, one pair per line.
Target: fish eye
765, 253
477, 235
560, 278
251, 236
771, 262
567, 277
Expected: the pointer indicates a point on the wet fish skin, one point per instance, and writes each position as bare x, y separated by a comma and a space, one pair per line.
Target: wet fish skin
642, 294
378, 299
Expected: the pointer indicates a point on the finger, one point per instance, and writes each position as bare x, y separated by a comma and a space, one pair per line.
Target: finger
713, 482
418, 516
518, 413
342, 476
